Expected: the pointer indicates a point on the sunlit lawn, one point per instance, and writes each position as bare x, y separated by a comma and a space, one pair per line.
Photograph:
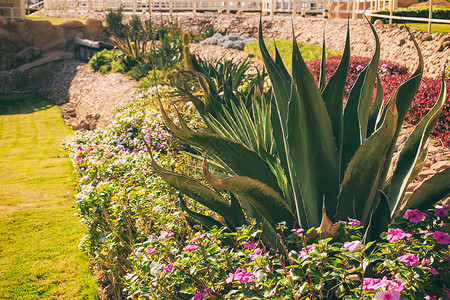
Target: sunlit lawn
54, 21
439, 28
308, 51
39, 232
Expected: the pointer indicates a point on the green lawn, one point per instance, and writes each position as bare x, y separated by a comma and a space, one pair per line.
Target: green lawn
439, 28
39, 232
54, 21
308, 51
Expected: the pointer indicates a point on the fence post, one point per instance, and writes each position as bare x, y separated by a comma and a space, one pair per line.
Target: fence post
294, 6
272, 7
354, 10
430, 16
391, 12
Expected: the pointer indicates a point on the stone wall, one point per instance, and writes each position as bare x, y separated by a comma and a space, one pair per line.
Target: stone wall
28, 48
396, 44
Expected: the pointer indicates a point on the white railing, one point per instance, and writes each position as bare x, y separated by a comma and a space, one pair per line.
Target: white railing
334, 8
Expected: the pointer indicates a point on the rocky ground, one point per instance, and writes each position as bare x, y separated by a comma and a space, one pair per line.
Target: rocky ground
87, 98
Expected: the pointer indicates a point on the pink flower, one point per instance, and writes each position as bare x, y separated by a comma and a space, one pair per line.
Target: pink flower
168, 268
150, 251
257, 252
372, 284
240, 276
433, 271
298, 230
388, 295
352, 246
441, 212
397, 234
189, 248
171, 234
384, 66
414, 215
200, 294
429, 297
409, 259
249, 245
306, 250
197, 238
359, 67
442, 238
353, 222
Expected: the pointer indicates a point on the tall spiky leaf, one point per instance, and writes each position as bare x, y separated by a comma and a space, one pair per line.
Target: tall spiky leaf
268, 202
403, 98
311, 142
431, 191
333, 94
240, 159
412, 150
363, 174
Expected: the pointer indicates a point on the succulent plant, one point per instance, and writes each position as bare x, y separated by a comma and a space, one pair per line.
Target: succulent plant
298, 155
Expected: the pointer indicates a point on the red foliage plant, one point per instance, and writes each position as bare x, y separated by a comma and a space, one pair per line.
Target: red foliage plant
392, 75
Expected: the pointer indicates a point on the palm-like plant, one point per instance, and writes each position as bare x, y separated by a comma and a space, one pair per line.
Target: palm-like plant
298, 155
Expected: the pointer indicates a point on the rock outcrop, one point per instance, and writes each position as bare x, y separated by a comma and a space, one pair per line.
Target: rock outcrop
28, 48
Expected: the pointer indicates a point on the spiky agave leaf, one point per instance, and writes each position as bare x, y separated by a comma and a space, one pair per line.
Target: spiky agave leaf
413, 150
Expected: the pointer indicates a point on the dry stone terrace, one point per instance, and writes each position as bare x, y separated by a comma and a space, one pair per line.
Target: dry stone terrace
396, 44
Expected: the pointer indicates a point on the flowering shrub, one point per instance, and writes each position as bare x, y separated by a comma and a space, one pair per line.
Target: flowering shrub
392, 75
119, 198
410, 262
137, 232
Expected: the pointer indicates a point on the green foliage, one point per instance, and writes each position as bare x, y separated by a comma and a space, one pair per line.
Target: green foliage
201, 263
100, 59
439, 12
310, 131
140, 70
114, 22
136, 27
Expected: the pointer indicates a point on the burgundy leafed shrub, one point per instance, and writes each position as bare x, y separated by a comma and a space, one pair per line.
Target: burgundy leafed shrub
392, 75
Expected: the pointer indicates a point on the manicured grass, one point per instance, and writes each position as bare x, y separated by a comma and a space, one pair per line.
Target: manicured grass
39, 233
439, 28
54, 21
308, 51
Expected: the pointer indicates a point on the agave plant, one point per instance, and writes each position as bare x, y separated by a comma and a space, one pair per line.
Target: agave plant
298, 155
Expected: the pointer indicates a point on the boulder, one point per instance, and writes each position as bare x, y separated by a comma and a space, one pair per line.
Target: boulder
401, 42
26, 55
72, 25
426, 37
93, 28
378, 23
70, 29
20, 28
42, 32
10, 41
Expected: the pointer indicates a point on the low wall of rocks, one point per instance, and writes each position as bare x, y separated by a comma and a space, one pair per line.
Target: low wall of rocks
396, 45
29, 48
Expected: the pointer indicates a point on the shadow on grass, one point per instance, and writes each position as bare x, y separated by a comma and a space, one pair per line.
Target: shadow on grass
23, 103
